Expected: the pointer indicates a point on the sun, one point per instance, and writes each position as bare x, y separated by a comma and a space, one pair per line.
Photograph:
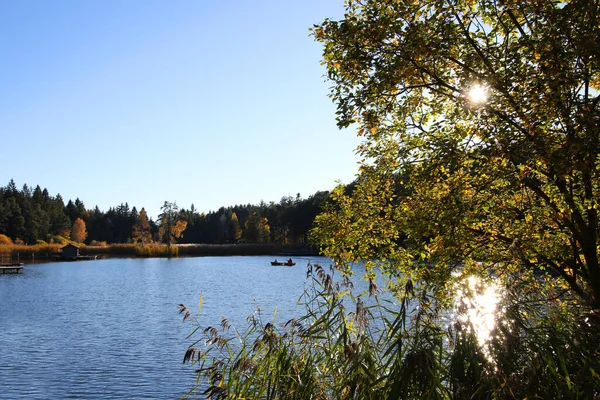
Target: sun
477, 94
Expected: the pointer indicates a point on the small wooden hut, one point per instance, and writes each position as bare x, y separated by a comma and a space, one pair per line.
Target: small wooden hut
70, 252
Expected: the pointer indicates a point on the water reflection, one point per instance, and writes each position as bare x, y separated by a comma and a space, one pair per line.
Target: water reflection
477, 308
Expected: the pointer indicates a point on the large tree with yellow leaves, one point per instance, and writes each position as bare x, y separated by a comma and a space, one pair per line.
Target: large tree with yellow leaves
481, 122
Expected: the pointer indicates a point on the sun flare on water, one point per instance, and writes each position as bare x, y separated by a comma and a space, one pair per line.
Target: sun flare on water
477, 306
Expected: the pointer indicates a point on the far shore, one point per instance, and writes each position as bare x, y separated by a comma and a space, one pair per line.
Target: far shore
42, 252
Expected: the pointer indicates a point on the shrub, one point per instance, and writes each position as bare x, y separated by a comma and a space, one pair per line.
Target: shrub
56, 239
5, 239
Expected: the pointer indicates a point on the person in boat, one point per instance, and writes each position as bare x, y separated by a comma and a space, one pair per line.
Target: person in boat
290, 261
276, 261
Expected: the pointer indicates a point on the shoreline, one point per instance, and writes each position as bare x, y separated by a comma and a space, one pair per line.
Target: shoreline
41, 253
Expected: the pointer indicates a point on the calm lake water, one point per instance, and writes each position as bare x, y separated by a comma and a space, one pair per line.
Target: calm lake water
110, 329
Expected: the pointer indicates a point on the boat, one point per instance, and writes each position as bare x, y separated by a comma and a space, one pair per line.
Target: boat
283, 263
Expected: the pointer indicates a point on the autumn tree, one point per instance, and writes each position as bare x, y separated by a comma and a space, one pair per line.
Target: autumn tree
481, 135
234, 230
170, 226
141, 230
78, 231
5, 239
257, 229
481, 128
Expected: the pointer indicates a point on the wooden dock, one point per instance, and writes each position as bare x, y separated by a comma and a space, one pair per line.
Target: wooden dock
14, 268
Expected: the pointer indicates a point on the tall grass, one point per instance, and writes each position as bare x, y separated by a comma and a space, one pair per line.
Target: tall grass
156, 250
37, 249
353, 347
132, 250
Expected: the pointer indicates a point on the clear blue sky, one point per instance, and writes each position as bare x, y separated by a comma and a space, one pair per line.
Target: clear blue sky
211, 102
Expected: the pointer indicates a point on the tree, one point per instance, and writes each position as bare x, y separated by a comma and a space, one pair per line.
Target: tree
170, 227
5, 239
11, 188
15, 221
123, 218
141, 230
235, 232
71, 211
222, 227
481, 134
257, 229
59, 221
78, 232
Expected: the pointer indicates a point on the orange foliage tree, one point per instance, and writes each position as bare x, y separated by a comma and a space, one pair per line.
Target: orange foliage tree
5, 239
141, 229
78, 231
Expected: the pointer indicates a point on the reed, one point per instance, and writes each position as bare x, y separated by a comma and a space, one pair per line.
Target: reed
356, 347
37, 249
96, 243
132, 250
156, 250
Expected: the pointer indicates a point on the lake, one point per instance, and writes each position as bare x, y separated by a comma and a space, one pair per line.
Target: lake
110, 329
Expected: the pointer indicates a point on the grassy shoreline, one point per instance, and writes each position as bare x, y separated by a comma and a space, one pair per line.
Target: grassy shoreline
45, 251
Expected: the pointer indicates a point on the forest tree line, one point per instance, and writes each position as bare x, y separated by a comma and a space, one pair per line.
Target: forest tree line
32, 216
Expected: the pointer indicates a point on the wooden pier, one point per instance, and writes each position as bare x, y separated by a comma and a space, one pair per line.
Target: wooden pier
14, 268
